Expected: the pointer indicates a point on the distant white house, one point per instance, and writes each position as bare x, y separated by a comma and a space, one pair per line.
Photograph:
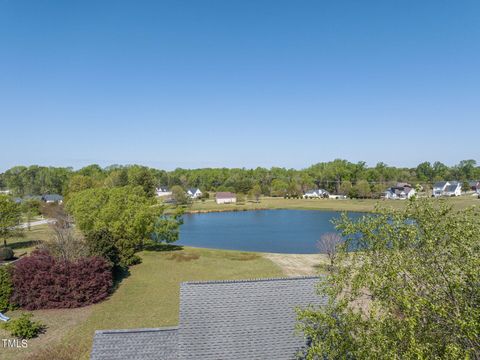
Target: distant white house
225, 198
194, 193
316, 193
163, 191
52, 198
447, 188
401, 191
454, 189
6, 192
474, 185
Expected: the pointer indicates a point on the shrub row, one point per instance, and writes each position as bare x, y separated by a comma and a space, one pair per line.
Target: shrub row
6, 289
41, 281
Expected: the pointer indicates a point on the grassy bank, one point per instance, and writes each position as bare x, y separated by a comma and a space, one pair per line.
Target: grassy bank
358, 205
147, 297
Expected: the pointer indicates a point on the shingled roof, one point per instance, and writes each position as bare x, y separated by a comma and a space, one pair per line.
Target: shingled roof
240, 319
136, 344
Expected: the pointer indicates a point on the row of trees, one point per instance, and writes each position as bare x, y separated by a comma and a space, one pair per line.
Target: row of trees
337, 176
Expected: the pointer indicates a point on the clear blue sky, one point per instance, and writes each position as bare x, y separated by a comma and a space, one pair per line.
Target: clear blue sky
238, 83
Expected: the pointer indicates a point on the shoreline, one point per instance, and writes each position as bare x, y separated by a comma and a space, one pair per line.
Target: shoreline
206, 211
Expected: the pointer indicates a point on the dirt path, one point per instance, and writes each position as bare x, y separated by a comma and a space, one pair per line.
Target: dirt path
297, 264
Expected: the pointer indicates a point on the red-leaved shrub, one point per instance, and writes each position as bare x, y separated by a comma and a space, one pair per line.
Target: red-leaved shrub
41, 281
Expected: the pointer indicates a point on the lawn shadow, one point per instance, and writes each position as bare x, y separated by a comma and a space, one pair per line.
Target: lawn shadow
162, 247
23, 244
119, 274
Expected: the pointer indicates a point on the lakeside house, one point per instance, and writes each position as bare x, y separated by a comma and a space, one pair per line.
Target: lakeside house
316, 193
447, 188
5, 192
194, 193
163, 191
231, 319
401, 191
225, 198
47, 198
52, 198
474, 185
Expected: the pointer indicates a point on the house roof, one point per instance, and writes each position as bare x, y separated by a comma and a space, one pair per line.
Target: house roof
162, 189
240, 319
52, 197
193, 190
224, 195
144, 344
440, 184
398, 190
243, 319
451, 188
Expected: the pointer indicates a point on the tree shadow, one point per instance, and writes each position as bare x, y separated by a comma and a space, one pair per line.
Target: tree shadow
162, 247
119, 274
22, 244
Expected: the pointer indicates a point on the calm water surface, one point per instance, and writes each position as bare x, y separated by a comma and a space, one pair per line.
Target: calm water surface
278, 231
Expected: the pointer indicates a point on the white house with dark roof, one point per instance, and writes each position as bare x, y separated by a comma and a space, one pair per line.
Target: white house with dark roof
163, 191
316, 193
52, 198
474, 185
447, 188
194, 193
225, 198
401, 191
233, 319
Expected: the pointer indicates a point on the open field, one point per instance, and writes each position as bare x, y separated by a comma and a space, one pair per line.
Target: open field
148, 297
361, 205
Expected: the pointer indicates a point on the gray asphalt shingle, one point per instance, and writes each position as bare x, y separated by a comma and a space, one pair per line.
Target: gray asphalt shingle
240, 319
243, 319
135, 344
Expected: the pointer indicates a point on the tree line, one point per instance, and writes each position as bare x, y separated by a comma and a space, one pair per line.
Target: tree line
337, 176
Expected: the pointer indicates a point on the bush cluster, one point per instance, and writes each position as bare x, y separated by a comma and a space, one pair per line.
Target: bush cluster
6, 289
23, 327
6, 253
41, 281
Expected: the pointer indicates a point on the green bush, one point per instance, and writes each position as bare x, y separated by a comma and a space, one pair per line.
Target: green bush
101, 243
6, 253
6, 289
23, 327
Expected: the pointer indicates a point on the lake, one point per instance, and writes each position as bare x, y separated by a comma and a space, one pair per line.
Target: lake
277, 231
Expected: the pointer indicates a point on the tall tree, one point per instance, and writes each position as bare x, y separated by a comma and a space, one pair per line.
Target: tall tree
128, 215
410, 291
256, 192
10, 217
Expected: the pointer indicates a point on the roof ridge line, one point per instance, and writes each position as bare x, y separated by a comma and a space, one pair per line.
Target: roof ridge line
200, 282
139, 330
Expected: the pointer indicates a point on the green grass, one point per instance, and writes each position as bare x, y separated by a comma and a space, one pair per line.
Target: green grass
362, 205
29, 239
148, 297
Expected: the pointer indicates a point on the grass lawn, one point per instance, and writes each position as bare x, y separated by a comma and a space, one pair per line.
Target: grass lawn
148, 297
30, 238
366, 205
